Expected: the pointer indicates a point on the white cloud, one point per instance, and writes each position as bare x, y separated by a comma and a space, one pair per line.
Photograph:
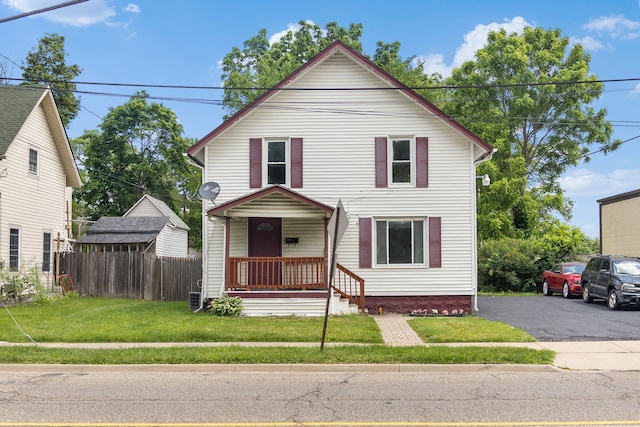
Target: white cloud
79, 15
615, 26
473, 40
291, 28
132, 8
588, 42
585, 182
636, 90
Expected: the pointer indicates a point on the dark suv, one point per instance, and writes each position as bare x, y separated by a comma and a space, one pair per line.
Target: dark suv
616, 279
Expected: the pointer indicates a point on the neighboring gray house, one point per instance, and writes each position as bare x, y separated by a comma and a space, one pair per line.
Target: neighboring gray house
149, 226
37, 175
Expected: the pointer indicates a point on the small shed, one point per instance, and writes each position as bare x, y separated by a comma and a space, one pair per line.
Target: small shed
120, 234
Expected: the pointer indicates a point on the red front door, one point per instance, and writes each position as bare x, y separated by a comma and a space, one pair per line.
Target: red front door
265, 240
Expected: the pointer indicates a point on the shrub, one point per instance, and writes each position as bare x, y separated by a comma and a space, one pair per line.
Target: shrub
226, 306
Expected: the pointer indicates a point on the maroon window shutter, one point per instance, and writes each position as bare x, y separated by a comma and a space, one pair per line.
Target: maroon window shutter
296, 162
422, 161
365, 242
381, 162
255, 162
435, 242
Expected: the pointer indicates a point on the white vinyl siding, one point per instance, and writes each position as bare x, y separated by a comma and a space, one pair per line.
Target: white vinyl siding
339, 129
23, 194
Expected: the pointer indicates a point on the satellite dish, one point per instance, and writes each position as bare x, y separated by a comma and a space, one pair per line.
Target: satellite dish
209, 190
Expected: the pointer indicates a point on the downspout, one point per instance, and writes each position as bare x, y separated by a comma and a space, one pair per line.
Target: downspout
486, 157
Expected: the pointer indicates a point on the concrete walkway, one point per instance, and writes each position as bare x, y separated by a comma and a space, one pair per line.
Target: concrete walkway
578, 356
584, 355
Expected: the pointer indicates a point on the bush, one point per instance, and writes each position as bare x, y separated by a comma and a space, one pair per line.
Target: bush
226, 306
516, 265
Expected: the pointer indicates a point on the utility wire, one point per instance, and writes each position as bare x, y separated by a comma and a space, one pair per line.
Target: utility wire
502, 85
17, 324
46, 9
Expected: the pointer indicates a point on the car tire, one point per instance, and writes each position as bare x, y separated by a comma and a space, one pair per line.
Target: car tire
586, 294
612, 300
545, 289
566, 290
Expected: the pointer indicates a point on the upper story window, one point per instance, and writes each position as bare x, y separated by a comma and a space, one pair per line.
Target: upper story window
276, 169
401, 161
33, 161
275, 161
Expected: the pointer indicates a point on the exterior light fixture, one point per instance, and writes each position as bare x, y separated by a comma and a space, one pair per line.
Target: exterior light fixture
486, 181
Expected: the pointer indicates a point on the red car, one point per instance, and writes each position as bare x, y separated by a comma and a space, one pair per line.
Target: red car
564, 277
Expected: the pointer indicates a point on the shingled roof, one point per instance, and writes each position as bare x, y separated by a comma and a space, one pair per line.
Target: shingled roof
16, 103
116, 230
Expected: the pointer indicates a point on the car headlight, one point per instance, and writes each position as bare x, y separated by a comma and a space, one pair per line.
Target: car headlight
628, 287
576, 281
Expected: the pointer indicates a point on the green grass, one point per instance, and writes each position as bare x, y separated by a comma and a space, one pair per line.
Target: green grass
86, 320
467, 329
290, 355
82, 320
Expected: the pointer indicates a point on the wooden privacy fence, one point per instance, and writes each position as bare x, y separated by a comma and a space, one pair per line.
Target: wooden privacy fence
131, 275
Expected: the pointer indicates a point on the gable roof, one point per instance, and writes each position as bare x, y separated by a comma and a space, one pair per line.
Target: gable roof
339, 47
116, 230
163, 209
16, 105
274, 196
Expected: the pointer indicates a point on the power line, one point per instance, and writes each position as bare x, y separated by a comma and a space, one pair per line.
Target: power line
252, 88
46, 9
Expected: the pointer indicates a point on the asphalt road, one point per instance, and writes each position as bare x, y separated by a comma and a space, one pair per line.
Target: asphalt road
333, 397
555, 318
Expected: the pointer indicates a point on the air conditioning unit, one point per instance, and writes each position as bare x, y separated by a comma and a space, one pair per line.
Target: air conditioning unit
194, 301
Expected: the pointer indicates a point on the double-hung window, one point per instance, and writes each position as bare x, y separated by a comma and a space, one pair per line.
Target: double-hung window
400, 241
277, 161
33, 161
14, 249
46, 252
402, 163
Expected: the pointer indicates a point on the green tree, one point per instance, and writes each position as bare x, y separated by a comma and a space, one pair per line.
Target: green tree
248, 72
47, 65
138, 149
531, 99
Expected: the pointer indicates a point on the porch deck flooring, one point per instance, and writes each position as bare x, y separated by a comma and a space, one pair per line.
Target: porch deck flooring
396, 331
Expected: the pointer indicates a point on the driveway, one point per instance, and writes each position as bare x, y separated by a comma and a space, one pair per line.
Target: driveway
559, 319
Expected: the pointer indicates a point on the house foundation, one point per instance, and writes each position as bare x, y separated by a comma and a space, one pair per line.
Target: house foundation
406, 304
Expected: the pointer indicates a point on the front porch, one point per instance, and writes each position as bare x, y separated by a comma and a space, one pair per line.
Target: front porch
276, 252
291, 277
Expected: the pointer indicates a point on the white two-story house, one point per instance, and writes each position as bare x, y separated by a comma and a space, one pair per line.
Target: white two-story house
37, 175
340, 131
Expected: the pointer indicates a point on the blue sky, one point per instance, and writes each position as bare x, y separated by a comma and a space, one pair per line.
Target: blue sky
164, 42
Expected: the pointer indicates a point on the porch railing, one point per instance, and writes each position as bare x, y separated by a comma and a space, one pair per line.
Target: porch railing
349, 285
276, 273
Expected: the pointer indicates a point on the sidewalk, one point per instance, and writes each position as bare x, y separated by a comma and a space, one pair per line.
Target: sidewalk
575, 356
583, 356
